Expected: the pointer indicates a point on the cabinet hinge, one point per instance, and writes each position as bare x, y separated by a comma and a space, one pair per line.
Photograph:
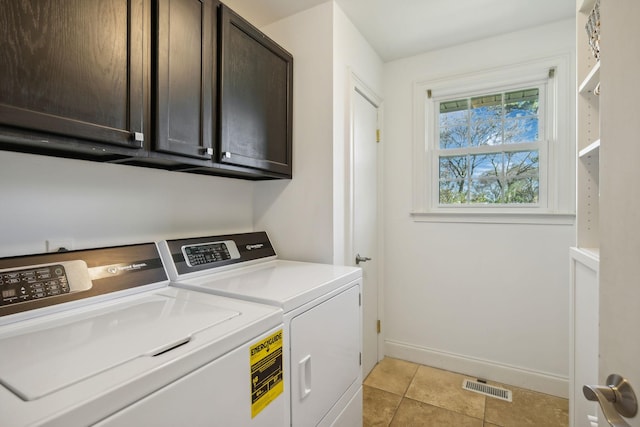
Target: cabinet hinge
379, 326
377, 135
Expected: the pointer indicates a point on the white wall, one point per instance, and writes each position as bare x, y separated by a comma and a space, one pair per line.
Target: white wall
490, 300
297, 214
97, 204
306, 216
353, 56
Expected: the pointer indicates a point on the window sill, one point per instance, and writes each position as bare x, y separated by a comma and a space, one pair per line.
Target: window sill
495, 217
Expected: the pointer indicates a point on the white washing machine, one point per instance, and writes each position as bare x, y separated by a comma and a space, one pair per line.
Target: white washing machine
322, 317
96, 337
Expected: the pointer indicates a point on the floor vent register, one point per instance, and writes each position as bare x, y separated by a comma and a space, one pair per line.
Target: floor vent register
487, 390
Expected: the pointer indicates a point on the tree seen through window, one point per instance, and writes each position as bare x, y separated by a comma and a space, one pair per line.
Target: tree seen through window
483, 156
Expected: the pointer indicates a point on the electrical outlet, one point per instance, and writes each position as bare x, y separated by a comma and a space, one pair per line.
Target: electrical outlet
56, 245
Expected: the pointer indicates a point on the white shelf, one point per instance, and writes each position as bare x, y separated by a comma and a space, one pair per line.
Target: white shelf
591, 81
588, 256
591, 149
585, 6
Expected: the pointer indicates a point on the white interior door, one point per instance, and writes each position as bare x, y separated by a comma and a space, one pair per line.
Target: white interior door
365, 216
619, 344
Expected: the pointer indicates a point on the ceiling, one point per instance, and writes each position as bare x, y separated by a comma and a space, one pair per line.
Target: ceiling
402, 28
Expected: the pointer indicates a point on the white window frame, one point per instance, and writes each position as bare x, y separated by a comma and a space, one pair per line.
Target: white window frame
556, 143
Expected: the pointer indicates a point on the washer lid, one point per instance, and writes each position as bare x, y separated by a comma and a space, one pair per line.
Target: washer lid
47, 356
280, 283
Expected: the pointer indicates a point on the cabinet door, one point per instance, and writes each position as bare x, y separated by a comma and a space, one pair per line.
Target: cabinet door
256, 98
73, 68
185, 75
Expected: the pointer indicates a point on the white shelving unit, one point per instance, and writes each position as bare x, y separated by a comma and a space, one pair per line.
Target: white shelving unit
588, 133
585, 258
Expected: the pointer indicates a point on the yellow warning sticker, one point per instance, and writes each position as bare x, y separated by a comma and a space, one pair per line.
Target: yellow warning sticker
266, 372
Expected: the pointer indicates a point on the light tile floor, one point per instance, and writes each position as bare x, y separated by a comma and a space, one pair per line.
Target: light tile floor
405, 394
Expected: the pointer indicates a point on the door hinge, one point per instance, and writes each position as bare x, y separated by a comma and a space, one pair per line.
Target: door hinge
429, 94
552, 72
360, 358
359, 300
379, 326
377, 135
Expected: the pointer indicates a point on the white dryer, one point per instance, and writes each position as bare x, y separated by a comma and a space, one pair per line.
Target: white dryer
96, 337
322, 316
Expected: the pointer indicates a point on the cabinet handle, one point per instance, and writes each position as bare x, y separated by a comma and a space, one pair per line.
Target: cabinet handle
206, 150
138, 136
226, 155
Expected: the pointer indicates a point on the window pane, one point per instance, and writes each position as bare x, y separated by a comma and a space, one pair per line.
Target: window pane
486, 133
453, 167
454, 127
521, 116
454, 113
522, 163
523, 190
453, 192
486, 120
521, 130
454, 137
485, 191
521, 103
486, 166
486, 172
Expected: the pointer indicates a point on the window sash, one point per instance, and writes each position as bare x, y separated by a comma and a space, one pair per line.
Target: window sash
432, 143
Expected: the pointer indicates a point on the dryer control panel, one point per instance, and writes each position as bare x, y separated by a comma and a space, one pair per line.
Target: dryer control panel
197, 255
210, 252
25, 285
42, 281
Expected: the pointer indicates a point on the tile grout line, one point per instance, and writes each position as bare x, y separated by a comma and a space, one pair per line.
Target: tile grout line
404, 394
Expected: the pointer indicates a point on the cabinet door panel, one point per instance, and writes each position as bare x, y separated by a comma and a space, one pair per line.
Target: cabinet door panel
73, 68
186, 33
256, 97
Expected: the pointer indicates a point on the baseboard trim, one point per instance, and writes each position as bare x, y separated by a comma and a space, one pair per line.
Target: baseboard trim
510, 375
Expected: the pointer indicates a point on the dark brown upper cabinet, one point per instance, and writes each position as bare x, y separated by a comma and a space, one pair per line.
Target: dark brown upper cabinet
183, 85
256, 94
185, 51
73, 70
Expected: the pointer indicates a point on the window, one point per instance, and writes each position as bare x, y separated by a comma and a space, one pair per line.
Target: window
495, 146
488, 148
